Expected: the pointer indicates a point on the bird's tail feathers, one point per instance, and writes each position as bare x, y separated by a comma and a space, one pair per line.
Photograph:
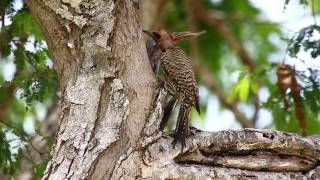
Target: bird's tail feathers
182, 125
167, 112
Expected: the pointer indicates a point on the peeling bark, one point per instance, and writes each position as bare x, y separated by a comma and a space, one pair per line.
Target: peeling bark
111, 109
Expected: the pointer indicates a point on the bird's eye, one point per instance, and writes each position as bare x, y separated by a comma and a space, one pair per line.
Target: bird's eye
156, 34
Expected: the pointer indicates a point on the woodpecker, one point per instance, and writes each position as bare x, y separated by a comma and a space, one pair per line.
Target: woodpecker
179, 78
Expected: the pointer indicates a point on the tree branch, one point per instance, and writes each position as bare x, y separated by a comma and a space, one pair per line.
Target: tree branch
2, 15
214, 19
238, 17
206, 76
236, 154
224, 31
207, 79
9, 97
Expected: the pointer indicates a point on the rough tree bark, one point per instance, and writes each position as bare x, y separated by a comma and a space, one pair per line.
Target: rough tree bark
111, 109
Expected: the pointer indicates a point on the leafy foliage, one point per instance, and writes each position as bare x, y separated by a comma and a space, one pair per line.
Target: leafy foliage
305, 41
246, 85
32, 81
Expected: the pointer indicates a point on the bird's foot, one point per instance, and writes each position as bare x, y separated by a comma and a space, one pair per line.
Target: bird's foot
178, 138
194, 130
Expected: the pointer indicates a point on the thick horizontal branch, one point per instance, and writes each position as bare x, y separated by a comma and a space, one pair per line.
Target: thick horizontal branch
248, 153
252, 149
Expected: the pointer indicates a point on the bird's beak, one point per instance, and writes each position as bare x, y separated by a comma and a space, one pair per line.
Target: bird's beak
188, 35
149, 33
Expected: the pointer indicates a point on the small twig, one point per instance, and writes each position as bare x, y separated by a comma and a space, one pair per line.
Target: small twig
23, 138
239, 17
256, 111
206, 78
34, 148
3, 15
26, 156
5, 106
225, 32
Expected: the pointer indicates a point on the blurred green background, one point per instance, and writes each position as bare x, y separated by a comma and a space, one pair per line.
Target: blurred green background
237, 64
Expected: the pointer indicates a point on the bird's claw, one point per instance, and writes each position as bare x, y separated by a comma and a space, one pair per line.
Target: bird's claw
179, 138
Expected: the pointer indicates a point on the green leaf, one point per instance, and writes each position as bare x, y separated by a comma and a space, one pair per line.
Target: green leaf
241, 90
5, 155
232, 95
254, 86
9, 162
38, 169
244, 89
24, 22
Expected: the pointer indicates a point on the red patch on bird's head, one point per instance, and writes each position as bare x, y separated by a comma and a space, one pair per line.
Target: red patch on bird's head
172, 37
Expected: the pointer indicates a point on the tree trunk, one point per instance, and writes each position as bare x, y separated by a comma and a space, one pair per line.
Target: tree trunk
111, 109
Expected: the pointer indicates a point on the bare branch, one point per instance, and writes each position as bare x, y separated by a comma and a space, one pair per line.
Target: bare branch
256, 104
224, 31
9, 98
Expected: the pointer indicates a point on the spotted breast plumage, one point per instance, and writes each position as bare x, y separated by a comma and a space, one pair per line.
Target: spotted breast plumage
179, 80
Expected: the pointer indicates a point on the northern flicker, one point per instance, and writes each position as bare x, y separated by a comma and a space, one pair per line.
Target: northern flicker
179, 78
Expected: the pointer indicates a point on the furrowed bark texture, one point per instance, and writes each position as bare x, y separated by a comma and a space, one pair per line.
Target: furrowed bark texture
111, 109
107, 83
